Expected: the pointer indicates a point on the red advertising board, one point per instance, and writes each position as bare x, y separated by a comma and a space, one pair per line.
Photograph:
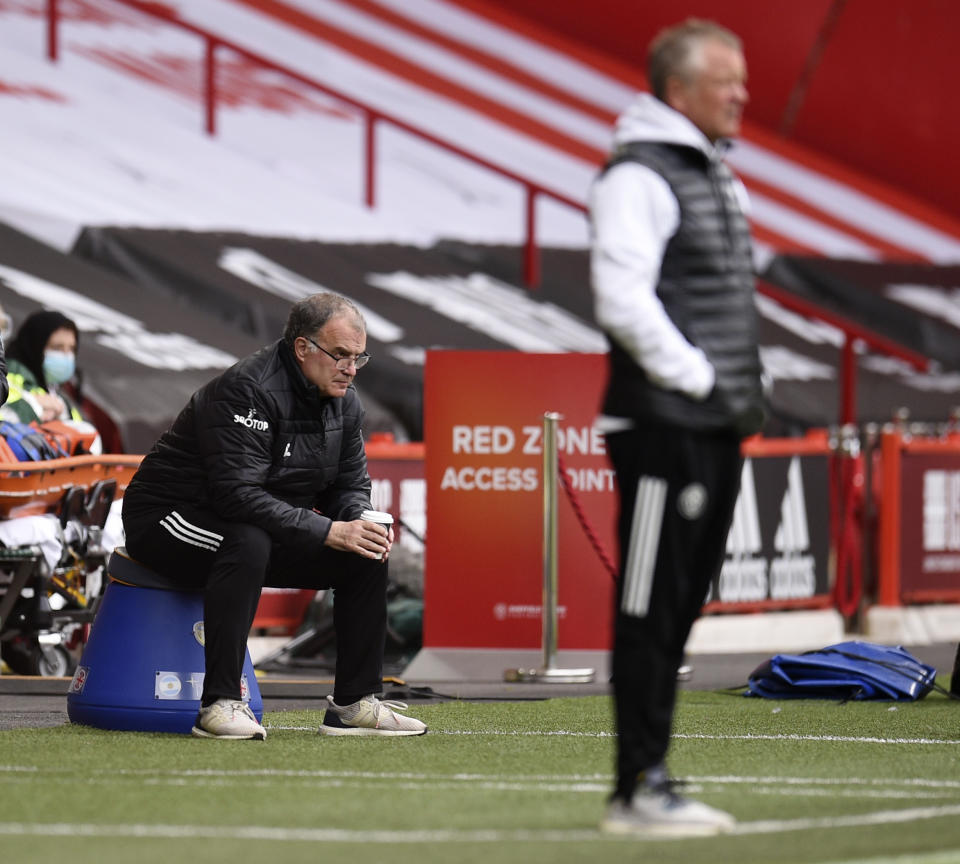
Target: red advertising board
483, 428
920, 520
930, 539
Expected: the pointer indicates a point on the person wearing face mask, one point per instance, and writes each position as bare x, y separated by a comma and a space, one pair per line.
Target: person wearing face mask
40, 359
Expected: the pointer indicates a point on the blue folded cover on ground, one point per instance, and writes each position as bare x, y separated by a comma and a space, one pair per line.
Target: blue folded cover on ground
845, 671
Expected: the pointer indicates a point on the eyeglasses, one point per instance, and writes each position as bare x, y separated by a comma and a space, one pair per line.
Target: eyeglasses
343, 363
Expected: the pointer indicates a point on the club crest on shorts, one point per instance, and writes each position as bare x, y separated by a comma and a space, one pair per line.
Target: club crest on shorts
691, 500
198, 633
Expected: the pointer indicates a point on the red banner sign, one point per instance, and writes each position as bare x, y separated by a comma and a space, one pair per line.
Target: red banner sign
484, 455
930, 525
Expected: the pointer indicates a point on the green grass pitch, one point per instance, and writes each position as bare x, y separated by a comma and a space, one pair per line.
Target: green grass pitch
504, 782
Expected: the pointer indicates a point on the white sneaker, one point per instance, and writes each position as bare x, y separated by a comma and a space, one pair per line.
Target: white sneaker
229, 719
662, 813
369, 716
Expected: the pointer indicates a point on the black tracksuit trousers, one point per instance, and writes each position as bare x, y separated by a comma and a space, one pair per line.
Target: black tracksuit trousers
678, 488
231, 562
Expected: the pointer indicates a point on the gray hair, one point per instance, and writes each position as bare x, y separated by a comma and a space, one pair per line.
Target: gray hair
309, 315
673, 50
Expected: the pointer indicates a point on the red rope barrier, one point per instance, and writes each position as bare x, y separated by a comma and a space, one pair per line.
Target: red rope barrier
588, 529
848, 587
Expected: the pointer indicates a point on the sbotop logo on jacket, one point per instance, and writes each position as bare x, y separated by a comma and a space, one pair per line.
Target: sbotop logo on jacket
251, 421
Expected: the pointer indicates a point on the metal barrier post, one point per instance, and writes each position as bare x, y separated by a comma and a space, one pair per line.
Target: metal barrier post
531, 254
53, 31
548, 672
370, 160
210, 86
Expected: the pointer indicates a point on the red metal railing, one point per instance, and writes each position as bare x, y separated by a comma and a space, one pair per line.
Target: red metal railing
371, 116
853, 333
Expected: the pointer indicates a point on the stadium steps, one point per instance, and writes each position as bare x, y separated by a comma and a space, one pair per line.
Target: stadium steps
438, 54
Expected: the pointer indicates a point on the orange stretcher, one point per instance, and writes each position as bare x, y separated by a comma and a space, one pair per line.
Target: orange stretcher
34, 488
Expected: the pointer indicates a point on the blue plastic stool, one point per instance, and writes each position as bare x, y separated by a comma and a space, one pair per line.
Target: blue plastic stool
142, 668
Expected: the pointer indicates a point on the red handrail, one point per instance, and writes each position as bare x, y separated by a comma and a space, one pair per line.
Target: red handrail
853, 333
531, 263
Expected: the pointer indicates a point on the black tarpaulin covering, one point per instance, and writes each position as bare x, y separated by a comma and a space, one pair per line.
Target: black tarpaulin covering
463, 296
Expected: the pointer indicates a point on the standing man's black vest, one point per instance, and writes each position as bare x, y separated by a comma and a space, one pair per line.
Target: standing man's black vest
707, 288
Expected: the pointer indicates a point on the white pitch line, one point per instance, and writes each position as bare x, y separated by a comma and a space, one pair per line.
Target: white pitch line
499, 786
492, 835
548, 733
140, 774
828, 781
567, 733
940, 856
403, 785
852, 739
296, 835
309, 773
857, 794
880, 817
860, 788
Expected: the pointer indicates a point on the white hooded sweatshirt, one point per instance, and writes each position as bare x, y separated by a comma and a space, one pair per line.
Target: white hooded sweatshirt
634, 214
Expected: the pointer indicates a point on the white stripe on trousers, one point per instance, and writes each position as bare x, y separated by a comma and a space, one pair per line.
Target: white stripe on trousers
196, 529
192, 534
644, 543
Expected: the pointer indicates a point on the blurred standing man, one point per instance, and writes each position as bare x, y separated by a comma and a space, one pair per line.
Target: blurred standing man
674, 290
262, 480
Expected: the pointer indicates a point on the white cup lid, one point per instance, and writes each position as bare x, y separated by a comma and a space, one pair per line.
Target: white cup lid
377, 516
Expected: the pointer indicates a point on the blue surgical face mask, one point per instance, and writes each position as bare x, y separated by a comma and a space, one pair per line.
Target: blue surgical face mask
58, 366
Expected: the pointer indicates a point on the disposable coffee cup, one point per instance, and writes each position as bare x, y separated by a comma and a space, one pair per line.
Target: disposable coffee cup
380, 518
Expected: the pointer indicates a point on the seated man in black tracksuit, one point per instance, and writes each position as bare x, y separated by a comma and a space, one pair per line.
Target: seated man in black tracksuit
261, 480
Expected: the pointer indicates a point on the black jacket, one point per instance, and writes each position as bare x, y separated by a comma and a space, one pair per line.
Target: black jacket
259, 444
